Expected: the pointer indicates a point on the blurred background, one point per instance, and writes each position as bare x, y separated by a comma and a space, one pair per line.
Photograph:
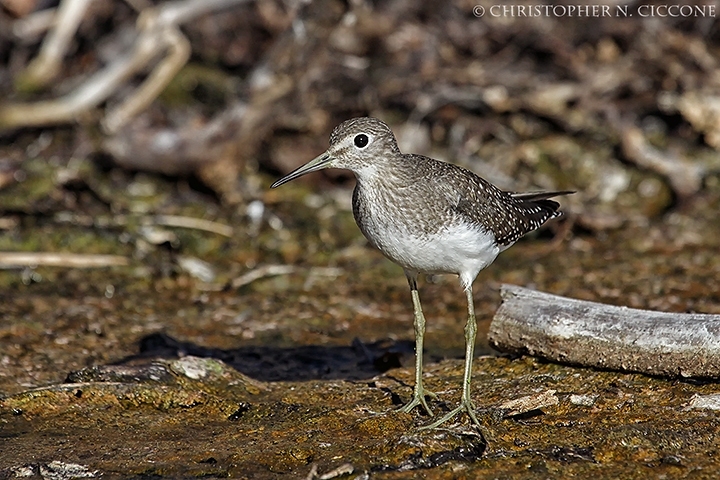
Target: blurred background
138, 140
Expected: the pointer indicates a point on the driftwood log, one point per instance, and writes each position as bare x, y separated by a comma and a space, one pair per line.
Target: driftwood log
605, 336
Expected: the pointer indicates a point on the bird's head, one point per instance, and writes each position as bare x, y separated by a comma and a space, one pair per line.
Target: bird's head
360, 145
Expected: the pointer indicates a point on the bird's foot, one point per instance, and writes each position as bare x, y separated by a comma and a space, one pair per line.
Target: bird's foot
465, 406
418, 399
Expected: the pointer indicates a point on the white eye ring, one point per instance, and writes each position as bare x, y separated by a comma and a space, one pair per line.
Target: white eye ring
362, 140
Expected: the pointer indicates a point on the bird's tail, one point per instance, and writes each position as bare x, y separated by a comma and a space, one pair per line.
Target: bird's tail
542, 199
535, 196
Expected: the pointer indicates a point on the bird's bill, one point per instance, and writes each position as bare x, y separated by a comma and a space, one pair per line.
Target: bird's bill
317, 163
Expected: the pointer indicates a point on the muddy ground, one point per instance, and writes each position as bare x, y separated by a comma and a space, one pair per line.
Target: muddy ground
223, 329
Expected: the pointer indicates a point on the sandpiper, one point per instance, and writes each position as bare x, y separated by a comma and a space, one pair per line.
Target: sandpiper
428, 216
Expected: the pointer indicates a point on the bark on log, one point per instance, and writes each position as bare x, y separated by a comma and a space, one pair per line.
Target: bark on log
605, 336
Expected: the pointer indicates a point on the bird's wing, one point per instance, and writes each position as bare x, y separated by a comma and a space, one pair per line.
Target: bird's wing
509, 216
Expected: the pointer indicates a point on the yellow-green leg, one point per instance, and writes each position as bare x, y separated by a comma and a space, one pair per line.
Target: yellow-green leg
419, 391
466, 404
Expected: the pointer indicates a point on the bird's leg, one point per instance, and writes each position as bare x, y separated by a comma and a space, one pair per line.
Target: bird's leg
466, 404
419, 391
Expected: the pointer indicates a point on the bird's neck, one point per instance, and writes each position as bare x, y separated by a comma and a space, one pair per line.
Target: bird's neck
374, 174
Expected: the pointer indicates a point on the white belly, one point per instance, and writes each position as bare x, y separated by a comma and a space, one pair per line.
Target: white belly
461, 249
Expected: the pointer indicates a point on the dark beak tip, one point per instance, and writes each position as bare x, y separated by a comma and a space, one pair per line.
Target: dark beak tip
318, 163
281, 181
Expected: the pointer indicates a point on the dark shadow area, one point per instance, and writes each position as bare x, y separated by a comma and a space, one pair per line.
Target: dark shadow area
273, 364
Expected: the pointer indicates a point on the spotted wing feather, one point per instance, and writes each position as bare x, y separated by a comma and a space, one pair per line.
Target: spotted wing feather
507, 215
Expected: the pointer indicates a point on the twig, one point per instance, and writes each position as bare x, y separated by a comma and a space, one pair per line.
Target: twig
48, 259
158, 33
120, 220
684, 177
194, 223
167, 37
342, 470
45, 67
605, 336
33, 25
275, 270
262, 272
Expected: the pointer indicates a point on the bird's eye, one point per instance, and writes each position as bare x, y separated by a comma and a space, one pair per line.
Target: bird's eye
361, 140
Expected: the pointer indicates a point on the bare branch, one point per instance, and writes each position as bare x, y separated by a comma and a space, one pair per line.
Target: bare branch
194, 223
605, 336
275, 270
157, 34
50, 259
32, 26
262, 272
45, 67
684, 177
